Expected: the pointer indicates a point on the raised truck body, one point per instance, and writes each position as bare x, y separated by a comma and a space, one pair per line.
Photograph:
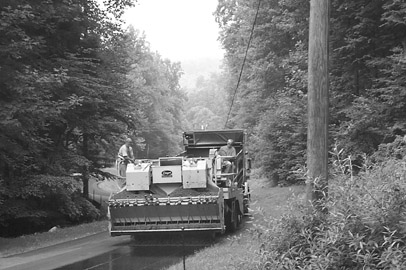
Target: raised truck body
184, 193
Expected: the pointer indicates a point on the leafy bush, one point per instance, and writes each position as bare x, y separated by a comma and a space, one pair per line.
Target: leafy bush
393, 150
280, 140
43, 202
365, 227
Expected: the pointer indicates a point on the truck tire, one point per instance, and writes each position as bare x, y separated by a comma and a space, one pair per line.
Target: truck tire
232, 216
239, 215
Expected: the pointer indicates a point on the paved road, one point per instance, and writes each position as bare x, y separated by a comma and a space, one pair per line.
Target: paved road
64, 254
103, 252
135, 257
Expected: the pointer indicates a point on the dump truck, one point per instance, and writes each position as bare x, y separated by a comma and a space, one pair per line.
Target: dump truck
187, 192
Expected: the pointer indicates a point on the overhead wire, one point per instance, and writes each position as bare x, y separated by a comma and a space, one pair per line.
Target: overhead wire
243, 63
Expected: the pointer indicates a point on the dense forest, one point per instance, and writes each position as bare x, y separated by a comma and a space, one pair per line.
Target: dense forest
74, 84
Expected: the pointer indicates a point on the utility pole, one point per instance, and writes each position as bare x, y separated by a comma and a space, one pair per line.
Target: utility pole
318, 84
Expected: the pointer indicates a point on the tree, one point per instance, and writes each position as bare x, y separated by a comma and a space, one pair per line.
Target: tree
368, 37
275, 69
57, 107
156, 90
207, 106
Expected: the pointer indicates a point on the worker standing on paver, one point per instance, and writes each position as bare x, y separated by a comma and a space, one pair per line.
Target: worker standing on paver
229, 151
125, 156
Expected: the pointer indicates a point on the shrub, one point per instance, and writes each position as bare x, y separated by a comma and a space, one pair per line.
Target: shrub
42, 202
365, 227
279, 142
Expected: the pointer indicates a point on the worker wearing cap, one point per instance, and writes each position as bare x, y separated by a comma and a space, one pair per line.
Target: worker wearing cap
125, 155
229, 151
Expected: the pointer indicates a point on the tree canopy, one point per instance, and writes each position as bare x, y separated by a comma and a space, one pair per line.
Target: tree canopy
367, 48
73, 86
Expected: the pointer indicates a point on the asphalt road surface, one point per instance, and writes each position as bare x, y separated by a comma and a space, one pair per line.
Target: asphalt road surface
63, 254
100, 251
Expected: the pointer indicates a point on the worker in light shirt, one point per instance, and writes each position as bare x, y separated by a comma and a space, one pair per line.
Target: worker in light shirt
229, 151
125, 156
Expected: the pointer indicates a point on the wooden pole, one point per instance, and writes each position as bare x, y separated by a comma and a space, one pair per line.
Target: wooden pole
318, 84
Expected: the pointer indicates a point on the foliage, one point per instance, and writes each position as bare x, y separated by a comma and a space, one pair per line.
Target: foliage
363, 229
55, 100
280, 137
366, 49
156, 91
270, 101
43, 202
392, 150
280, 140
68, 100
206, 107
367, 89
59, 108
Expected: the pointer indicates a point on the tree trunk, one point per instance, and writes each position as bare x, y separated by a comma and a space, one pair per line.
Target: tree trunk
85, 181
85, 168
317, 140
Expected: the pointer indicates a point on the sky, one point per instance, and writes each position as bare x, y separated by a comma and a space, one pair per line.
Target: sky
178, 29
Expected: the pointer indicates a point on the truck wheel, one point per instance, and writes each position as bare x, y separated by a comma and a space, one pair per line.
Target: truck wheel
231, 217
238, 215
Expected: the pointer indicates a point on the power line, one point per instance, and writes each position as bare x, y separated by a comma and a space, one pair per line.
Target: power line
243, 63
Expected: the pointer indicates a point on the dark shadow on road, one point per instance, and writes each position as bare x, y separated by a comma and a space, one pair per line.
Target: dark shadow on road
136, 257
146, 252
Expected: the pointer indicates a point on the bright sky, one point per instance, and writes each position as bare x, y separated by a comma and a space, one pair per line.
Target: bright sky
178, 29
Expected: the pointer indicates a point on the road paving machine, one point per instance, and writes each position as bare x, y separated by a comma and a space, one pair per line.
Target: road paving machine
189, 192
